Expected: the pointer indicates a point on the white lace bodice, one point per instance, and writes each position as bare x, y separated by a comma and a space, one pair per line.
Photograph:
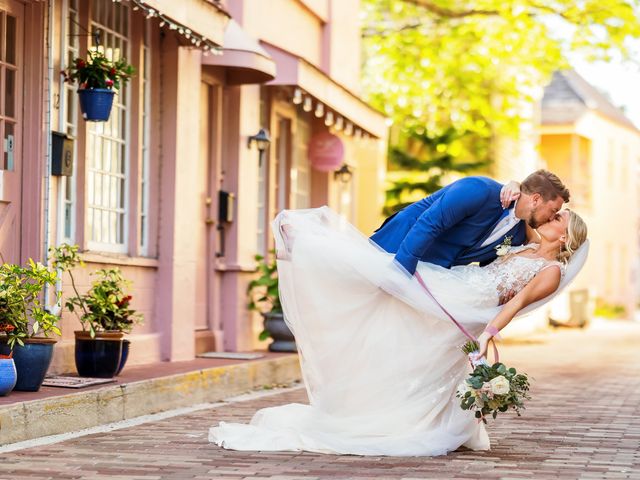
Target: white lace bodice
509, 272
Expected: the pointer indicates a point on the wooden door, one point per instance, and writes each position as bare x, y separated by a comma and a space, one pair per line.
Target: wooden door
11, 84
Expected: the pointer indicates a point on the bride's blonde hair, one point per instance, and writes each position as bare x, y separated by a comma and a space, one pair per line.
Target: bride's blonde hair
576, 236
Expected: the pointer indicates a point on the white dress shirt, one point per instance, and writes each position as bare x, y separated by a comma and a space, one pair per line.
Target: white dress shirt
503, 226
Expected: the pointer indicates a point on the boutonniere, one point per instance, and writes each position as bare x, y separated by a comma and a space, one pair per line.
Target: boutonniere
504, 247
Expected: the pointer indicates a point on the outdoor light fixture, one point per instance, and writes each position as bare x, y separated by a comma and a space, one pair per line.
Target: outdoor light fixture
261, 138
348, 130
262, 141
297, 96
307, 105
343, 174
328, 119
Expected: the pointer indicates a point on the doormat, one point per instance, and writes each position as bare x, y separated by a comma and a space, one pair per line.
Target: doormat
232, 355
74, 382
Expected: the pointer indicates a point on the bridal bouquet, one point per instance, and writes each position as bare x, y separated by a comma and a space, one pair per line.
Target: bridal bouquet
490, 389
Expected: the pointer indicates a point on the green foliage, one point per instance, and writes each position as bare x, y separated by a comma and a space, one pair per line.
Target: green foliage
22, 314
607, 310
470, 65
263, 291
419, 162
476, 394
98, 71
106, 306
473, 68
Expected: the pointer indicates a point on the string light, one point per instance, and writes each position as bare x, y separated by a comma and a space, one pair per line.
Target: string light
307, 105
319, 110
208, 46
297, 96
328, 119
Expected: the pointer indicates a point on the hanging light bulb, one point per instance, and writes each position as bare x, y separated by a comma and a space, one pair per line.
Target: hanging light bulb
339, 123
348, 130
297, 96
328, 119
358, 133
319, 110
308, 104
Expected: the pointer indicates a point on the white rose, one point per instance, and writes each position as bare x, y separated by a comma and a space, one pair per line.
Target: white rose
502, 250
499, 385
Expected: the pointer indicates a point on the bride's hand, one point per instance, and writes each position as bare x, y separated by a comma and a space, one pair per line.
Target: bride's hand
509, 193
483, 342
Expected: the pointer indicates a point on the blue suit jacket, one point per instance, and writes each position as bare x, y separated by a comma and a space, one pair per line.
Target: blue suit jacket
448, 227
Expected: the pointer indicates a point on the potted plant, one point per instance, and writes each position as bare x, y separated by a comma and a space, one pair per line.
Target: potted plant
105, 314
264, 298
98, 77
25, 323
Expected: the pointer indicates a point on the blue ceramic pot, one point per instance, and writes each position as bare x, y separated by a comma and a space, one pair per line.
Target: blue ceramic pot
100, 356
32, 362
8, 375
125, 354
96, 103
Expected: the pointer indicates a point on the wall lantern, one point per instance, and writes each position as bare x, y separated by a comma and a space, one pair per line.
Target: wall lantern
262, 141
343, 174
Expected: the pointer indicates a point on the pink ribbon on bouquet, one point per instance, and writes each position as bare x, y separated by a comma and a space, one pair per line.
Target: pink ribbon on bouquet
457, 324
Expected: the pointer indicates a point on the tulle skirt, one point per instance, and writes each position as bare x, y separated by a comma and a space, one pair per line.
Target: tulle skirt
380, 360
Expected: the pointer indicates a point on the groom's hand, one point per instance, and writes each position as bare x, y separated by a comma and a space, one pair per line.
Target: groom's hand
509, 193
506, 296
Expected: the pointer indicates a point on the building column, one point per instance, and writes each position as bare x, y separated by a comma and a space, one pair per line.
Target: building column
178, 202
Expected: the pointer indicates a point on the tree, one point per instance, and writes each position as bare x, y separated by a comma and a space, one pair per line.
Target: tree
470, 65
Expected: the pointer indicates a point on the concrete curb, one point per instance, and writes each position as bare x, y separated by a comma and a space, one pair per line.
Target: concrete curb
79, 410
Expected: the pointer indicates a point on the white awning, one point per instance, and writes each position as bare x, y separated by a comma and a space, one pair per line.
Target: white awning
244, 59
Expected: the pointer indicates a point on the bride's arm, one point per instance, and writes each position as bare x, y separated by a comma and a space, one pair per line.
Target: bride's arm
544, 283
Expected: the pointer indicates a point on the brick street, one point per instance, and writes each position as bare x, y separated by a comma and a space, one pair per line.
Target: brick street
583, 422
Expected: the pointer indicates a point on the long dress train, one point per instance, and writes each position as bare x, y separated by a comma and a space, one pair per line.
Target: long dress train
380, 360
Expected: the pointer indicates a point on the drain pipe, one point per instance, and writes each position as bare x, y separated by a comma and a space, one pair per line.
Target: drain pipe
54, 309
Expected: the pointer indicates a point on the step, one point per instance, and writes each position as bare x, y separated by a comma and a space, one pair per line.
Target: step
140, 391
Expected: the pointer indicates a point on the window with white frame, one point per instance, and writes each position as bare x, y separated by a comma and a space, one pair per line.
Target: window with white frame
69, 121
300, 195
144, 168
107, 155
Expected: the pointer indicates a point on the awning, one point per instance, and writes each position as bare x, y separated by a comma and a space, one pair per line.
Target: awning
297, 72
204, 17
243, 57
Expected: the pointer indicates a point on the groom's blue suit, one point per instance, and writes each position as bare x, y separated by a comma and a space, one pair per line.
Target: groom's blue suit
448, 227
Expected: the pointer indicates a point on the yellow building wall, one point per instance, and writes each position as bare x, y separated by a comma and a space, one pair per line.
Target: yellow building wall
598, 160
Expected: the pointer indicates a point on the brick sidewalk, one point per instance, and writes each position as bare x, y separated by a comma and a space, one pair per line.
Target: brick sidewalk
583, 422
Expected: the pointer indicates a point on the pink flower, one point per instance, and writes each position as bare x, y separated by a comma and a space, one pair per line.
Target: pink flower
109, 82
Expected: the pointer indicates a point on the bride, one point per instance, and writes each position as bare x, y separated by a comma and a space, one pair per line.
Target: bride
380, 359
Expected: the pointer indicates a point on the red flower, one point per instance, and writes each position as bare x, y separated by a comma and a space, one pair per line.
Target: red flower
112, 71
80, 63
6, 327
109, 82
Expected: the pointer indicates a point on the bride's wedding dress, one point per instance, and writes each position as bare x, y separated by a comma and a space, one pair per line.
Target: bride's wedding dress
380, 359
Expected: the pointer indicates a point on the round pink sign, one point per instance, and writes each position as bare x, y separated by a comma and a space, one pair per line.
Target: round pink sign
326, 152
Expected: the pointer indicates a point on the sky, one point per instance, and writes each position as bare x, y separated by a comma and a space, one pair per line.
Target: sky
620, 82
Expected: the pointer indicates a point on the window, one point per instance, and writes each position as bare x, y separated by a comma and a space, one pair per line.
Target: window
9, 111
145, 75
300, 169
69, 123
107, 155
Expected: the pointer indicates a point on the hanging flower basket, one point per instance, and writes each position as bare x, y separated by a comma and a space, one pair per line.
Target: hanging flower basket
96, 103
99, 77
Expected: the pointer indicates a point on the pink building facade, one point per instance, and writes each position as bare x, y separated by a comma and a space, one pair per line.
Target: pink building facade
146, 186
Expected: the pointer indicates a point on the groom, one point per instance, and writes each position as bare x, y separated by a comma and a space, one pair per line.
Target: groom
464, 222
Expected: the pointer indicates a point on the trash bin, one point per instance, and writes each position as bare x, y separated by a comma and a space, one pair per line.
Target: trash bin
578, 310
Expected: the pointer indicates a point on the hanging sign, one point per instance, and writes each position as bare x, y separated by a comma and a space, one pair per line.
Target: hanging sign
326, 152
